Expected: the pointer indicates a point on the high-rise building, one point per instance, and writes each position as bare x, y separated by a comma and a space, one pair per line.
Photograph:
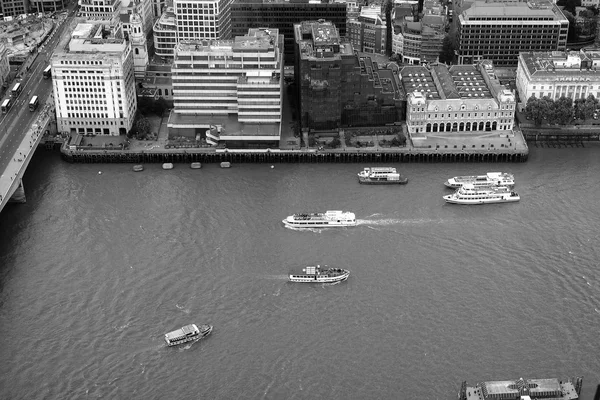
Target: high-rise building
500, 31
93, 81
229, 92
456, 99
203, 19
4, 66
105, 10
573, 74
158, 7
282, 15
338, 88
12, 8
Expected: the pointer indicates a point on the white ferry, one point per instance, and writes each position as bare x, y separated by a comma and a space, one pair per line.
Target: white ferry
380, 176
469, 194
328, 219
188, 333
314, 274
491, 178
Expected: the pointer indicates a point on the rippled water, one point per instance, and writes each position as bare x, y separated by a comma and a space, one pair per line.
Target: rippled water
94, 269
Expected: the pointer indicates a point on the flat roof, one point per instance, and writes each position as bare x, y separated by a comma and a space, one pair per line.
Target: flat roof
579, 64
482, 12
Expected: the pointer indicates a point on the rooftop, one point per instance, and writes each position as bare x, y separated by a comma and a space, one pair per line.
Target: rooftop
571, 63
523, 11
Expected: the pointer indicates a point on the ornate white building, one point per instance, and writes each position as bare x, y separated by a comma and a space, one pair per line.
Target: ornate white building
572, 74
93, 81
455, 100
138, 45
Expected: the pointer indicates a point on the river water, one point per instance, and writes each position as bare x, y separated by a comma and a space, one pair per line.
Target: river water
95, 268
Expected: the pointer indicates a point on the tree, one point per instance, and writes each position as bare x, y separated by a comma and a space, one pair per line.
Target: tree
572, 35
562, 111
569, 5
579, 108
537, 110
590, 106
447, 53
142, 127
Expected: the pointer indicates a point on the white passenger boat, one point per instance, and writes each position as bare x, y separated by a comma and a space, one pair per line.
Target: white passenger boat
316, 274
328, 219
381, 176
491, 178
469, 194
188, 333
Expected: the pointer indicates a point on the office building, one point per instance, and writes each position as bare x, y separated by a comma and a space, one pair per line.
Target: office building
13, 8
4, 66
229, 92
500, 31
46, 6
105, 10
165, 34
457, 100
367, 33
93, 81
143, 8
282, 15
338, 88
573, 74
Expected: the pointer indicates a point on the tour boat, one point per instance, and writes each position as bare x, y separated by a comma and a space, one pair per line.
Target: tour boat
328, 219
470, 194
381, 176
188, 333
491, 178
314, 274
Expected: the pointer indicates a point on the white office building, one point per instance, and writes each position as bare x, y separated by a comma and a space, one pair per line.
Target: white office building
93, 81
230, 91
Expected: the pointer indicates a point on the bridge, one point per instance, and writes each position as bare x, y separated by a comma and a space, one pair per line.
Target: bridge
21, 130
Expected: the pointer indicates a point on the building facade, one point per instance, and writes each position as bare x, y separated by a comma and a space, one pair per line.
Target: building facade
93, 81
367, 33
105, 10
282, 15
338, 88
137, 37
573, 74
46, 6
165, 34
143, 8
500, 31
12, 8
229, 92
456, 100
4, 66
203, 19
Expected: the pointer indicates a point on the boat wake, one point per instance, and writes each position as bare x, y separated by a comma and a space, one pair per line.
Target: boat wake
276, 277
395, 221
182, 308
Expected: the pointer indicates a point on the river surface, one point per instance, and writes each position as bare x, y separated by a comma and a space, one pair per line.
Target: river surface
96, 268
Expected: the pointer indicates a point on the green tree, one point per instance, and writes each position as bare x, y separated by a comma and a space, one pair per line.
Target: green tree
572, 35
447, 53
590, 106
562, 111
537, 110
579, 108
569, 5
142, 127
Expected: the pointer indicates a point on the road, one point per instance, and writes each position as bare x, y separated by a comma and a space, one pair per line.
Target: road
15, 124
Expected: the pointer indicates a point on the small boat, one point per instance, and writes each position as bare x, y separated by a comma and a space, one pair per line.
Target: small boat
225, 164
188, 333
315, 274
167, 165
195, 165
138, 168
491, 178
328, 219
470, 194
381, 176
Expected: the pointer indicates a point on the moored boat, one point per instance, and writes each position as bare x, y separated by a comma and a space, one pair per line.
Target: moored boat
381, 176
470, 194
138, 168
491, 178
167, 166
548, 388
328, 219
225, 164
188, 333
195, 165
316, 274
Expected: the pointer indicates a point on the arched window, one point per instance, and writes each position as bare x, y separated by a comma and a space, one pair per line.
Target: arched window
448, 127
435, 127
468, 126
461, 126
481, 126
454, 127
494, 125
428, 128
488, 126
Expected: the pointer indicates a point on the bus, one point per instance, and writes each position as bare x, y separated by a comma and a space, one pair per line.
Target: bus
47, 72
33, 103
6, 105
16, 90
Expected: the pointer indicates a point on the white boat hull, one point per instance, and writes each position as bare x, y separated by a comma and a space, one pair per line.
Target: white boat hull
319, 224
453, 200
320, 279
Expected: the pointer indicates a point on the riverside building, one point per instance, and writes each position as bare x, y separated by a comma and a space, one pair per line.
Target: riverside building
93, 81
338, 88
283, 15
573, 74
229, 92
457, 100
500, 31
